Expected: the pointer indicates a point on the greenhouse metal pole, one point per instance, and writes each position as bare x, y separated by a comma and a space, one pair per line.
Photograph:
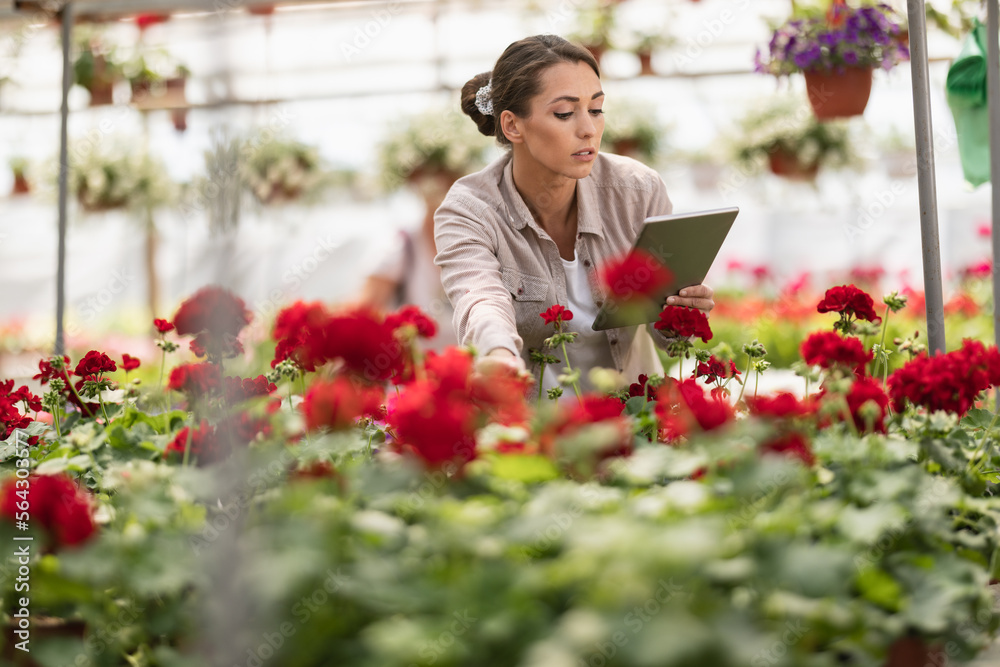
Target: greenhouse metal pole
993, 96
66, 23
930, 241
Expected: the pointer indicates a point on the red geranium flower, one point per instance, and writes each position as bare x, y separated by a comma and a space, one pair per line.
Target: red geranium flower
95, 363
682, 406
10, 417
56, 503
716, 370
129, 363
204, 443
365, 343
828, 349
684, 322
638, 388
238, 390
637, 275
864, 391
47, 371
782, 405
791, 444
213, 309
163, 326
195, 380
440, 429
299, 333
337, 404
557, 314
949, 382
413, 316
848, 300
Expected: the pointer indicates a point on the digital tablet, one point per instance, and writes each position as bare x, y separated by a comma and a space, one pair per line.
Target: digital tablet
685, 243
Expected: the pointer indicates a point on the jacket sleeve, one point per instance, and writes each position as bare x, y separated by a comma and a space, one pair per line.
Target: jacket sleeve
467, 248
659, 204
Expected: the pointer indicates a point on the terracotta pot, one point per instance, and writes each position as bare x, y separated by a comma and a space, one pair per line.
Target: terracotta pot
43, 629
21, 185
101, 93
165, 94
787, 165
626, 147
914, 652
596, 50
645, 63
839, 95
903, 38
261, 10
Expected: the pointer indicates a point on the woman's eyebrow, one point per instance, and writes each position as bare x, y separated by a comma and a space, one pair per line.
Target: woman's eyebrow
570, 98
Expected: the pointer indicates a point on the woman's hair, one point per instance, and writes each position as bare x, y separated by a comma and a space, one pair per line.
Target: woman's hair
516, 79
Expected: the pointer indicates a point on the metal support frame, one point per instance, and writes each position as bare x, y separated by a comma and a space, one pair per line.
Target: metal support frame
930, 240
993, 96
66, 19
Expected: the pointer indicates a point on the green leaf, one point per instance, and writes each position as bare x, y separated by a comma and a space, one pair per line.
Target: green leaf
528, 469
635, 405
877, 586
164, 423
977, 418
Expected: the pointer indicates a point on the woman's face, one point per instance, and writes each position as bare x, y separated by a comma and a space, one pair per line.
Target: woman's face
562, 132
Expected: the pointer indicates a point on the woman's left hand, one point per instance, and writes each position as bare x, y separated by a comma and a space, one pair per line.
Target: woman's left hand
696, 296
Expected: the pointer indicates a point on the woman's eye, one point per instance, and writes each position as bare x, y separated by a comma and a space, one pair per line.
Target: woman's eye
564, 116
597, 112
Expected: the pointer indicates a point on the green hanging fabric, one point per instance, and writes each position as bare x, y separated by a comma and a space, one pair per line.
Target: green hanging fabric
965, 89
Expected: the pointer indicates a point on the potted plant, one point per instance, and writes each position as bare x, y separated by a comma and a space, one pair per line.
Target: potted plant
593, 31
705, 166
792, 141
644, 45
439, 144
19, 167
109, 178
279, 171
631, 129
96, 69
837, 52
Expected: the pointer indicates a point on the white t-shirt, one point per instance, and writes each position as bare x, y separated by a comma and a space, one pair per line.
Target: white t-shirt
591, 348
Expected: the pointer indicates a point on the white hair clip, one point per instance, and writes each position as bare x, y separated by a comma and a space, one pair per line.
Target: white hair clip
483, 101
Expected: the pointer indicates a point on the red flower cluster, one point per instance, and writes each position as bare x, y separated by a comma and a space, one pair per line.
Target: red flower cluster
337, 404
204, 443
949, 382
848, 300
10, 416
575, 415
638, 388
716, 370
55, 503
215, 316
683, 406
413, 316
436, 417
637, 275
829, 349
791, 443
195, 380
163, 326
864, 391
46, 371
129, 363
298, 330
557, 314
238, 389
95, 363
684, 322
782, 405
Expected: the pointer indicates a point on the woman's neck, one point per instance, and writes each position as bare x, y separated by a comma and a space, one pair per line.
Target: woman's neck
550, 197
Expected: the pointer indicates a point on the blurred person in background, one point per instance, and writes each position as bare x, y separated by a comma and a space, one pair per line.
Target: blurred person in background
529, 230
405, 272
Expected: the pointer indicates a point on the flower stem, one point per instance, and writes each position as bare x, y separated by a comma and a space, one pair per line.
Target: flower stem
680, 368
576, 384
187, 443
541, 377
69, 383
756, 382
881, 349
746, 374
163, 365
982, 442
100, 400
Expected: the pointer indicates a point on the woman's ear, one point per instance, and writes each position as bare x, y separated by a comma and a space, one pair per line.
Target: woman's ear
511, 126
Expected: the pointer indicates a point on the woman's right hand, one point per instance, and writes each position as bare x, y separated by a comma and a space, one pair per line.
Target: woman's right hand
500, 359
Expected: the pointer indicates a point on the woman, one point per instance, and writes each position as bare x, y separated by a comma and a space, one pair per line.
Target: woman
527, 231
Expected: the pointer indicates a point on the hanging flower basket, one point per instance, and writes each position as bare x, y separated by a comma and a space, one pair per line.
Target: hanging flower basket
834, 94
788, 165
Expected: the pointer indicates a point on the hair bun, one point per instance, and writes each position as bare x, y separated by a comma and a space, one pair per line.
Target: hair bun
487, 124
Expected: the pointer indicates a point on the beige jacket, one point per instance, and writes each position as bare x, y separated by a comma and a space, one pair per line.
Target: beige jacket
501, 270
